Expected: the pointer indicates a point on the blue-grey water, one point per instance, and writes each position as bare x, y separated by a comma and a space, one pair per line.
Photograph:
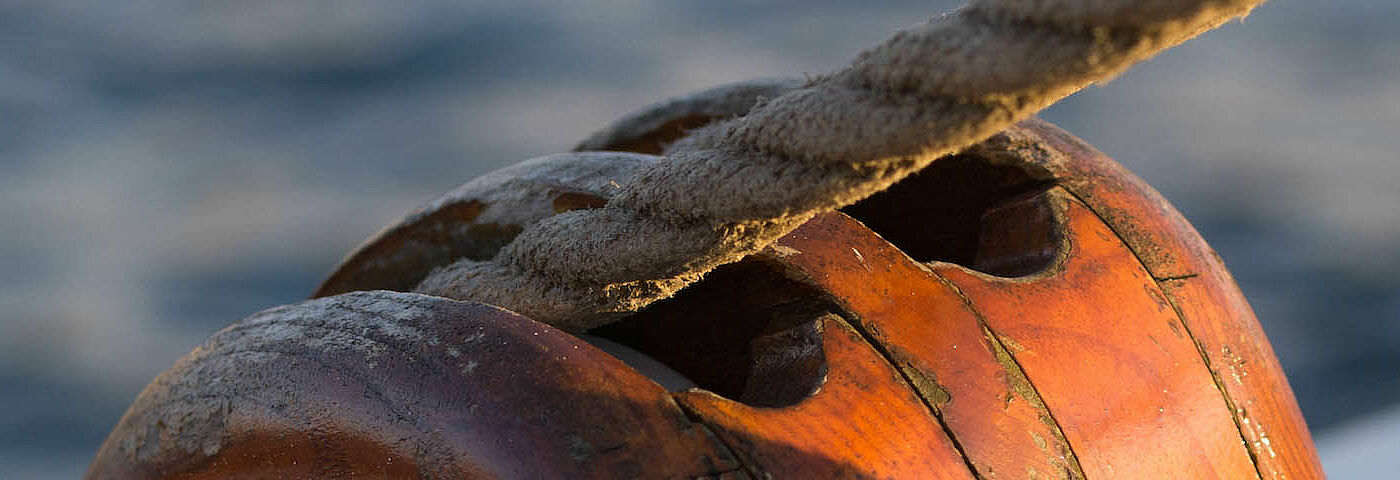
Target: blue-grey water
167, 167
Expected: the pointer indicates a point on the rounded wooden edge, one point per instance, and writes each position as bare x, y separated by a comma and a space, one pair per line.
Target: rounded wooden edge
1195, 281
394, 384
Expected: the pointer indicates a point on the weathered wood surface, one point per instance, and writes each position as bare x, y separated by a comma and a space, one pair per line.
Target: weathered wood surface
393, 385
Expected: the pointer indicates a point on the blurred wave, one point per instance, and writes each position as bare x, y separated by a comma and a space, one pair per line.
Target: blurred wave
167, 167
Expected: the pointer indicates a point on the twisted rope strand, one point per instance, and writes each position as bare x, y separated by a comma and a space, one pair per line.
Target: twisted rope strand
729, 190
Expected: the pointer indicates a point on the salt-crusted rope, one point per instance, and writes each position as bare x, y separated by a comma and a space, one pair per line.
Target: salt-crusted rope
730, 189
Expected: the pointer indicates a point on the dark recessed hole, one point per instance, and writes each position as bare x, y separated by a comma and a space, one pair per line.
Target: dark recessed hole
941, 214
745, 332
1019, 237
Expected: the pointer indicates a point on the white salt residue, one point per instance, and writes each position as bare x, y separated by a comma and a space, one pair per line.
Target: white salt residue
388, 313
346, 322
315, 338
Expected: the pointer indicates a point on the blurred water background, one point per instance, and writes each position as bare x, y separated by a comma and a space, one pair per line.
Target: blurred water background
168, 167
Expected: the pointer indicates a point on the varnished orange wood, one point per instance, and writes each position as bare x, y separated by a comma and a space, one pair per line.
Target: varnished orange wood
864, 422
939, 343
1198, 285
1104, 349
1268, 417
391, 385
1150, 226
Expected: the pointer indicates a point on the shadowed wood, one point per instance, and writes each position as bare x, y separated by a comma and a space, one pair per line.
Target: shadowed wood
864, 422
1195, 281
652, 128
726, 334
385, 384
479, 217
1104, 349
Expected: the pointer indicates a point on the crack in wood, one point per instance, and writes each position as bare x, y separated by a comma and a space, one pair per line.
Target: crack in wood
1158, 279
933, 404
719, 442
1020, 383
1181, 318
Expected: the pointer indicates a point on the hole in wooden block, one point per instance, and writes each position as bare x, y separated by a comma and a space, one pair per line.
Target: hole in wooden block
745, 332
1019, 237
953, 212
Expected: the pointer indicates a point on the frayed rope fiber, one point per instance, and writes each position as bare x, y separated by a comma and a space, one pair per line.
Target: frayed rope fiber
730, 189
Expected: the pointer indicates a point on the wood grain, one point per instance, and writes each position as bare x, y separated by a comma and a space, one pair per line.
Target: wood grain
1196, 282
1103, 347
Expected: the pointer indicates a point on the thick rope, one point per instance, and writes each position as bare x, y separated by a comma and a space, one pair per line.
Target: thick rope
728, 190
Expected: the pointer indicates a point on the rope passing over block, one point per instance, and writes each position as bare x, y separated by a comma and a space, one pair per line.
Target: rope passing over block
730, 189
1022, 308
